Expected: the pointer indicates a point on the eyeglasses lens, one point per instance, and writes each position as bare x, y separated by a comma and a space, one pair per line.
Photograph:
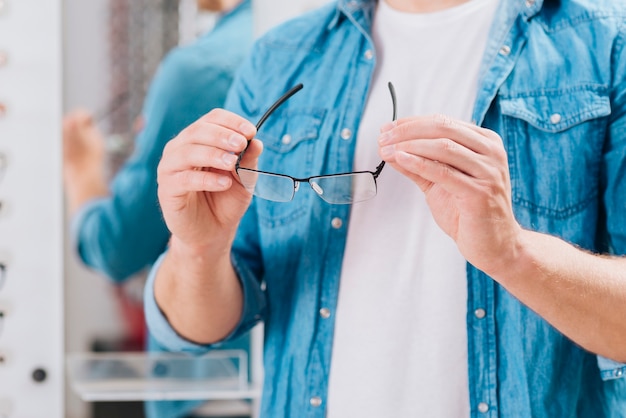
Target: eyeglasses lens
345, 188
267, 186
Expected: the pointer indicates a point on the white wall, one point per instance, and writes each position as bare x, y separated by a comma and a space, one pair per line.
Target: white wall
268, 13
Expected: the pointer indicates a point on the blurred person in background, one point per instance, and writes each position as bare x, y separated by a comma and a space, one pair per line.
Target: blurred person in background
117, 228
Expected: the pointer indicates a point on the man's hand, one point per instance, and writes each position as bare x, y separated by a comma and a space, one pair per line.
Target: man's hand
463, 171
83, 159
200, 195
202, 203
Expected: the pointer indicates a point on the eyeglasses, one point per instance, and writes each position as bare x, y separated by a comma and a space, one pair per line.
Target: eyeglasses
339, 189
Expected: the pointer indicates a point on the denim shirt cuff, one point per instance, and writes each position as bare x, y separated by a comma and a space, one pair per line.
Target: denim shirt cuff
254, 303
610, 369
158, 324
165, 335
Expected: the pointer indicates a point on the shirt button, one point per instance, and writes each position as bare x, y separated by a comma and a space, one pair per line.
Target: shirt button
619, 373
556, 118
368, 54
483, 407
346, 133
336, 223
480, 313
325, 313
286, 139
316, 401
530, 3
505, 50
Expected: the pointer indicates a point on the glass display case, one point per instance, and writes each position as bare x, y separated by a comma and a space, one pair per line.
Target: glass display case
221, 374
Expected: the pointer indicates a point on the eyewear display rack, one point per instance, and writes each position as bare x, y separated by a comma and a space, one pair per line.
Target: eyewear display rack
31, 210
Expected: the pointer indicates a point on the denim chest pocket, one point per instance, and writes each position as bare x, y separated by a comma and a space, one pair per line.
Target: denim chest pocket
554, 142
290, 138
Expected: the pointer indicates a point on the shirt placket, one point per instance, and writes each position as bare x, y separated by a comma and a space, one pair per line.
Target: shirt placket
507, 41
336, 222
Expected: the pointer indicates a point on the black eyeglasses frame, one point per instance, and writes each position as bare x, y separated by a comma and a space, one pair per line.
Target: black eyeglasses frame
297, 181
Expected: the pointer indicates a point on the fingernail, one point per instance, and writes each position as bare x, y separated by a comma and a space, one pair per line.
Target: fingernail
384, 138
229, 159
236, 140
387, 151
223, 181
388, 126
247, 129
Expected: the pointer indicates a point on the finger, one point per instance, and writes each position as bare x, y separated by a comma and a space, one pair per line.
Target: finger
438, 126
437, 117
184, 182
229, 120
421, 182
251, 156
209, 134
445, 151
196, 156
454, 181
78, 116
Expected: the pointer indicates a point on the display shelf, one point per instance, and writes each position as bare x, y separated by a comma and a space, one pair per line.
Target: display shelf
221, 374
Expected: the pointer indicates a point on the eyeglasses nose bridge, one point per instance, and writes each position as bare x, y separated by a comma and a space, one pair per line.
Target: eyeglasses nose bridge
316, 187
296, 185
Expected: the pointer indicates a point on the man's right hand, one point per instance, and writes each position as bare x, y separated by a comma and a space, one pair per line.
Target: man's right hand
202, 201
200, 196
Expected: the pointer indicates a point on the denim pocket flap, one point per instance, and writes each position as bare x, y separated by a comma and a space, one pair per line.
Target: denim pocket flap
556, 111
288, 128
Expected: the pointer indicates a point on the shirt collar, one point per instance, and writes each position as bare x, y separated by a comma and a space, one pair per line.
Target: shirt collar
527, 8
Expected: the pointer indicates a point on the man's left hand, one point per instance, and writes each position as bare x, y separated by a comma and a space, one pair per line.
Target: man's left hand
463, 171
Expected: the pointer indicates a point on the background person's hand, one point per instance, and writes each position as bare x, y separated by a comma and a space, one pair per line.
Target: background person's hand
200, 196
84, 159
463, 171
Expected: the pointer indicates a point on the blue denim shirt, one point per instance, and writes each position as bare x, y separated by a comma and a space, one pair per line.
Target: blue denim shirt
553, 84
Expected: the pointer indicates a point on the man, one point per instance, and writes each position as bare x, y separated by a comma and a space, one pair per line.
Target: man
119, 230
465, 286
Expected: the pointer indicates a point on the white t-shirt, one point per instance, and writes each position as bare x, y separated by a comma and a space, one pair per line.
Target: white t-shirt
400, 342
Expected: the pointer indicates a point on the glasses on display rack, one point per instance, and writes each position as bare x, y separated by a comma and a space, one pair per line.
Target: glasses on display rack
3, 165
3, 274
338, 189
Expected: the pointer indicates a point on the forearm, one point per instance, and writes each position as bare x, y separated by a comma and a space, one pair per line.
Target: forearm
199, 292
579, 293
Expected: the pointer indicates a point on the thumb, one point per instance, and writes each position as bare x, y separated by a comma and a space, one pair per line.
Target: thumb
251, 155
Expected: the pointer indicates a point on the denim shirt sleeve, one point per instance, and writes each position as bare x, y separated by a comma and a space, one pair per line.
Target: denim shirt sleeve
613, 177
246, 255
169, 339
124, 233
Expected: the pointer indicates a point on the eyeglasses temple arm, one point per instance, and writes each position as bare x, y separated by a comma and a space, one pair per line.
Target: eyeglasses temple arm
394, 116
392, 90
271, 110
279, 102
